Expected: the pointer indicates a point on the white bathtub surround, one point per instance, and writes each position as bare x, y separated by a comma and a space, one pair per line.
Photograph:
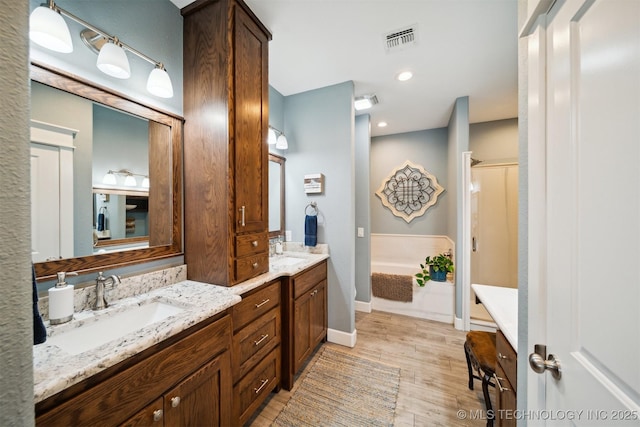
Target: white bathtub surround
402, 254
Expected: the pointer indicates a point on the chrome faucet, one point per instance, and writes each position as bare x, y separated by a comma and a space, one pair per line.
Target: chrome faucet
101, 282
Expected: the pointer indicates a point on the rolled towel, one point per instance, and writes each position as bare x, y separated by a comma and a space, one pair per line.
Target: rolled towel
310, 230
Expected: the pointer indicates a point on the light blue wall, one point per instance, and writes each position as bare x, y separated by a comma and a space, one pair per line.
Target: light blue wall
154, 27
427, 148
363, 207
494, 142
276, 109
319, 125
458, 143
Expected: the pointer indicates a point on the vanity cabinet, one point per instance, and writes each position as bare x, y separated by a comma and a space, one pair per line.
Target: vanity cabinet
506, 382
304, 318
185, 380
256, 349
226, 96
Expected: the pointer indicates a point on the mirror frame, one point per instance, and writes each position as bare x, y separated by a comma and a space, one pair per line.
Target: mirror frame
280, 160
86, 264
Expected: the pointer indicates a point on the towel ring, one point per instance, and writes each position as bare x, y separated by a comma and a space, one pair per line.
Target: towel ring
312, 205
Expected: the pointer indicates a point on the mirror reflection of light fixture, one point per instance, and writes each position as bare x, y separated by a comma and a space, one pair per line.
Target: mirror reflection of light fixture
364, 102
129, 180
48, 29
280, 142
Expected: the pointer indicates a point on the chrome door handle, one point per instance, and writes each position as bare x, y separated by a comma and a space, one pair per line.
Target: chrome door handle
539, 364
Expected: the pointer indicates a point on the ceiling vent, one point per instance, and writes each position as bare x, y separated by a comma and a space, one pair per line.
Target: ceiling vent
400, 39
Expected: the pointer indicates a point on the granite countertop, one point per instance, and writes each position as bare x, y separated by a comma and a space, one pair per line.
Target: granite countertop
502, 305
56, 370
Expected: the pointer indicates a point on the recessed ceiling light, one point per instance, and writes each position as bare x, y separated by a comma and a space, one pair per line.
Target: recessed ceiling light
382, 124
404, 76
365, 101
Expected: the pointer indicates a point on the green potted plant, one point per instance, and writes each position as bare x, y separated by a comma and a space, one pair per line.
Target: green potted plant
435, 268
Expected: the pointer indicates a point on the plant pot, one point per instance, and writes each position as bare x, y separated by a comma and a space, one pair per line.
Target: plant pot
438, 276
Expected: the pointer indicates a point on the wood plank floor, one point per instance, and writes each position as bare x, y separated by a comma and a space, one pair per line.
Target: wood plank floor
433, 376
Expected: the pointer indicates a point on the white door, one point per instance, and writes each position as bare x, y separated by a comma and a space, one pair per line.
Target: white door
45, 203
584, 246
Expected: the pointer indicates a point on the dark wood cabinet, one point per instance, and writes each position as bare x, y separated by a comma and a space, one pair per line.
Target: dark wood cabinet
506, 382
256, 349
304, 319
226, 93
183, 381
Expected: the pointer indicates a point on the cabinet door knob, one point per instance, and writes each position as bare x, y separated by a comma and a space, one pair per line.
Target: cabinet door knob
501, 356
254, 243
157, 415
255, 265
175, 401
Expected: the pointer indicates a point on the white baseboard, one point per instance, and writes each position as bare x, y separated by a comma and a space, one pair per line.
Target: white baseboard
458, 323
343, 338
363, 306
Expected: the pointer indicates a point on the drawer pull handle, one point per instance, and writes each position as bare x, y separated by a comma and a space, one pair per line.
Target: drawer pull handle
314, 293
262, 338
259, 389
242, 223
497, 378
175, 401
255, 265
263, 303
157, 415
501, 356
254, 243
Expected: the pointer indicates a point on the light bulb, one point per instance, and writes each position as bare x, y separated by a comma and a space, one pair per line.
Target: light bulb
282, 143
112, 60
130, 181
48, 29
159, 83
109, 179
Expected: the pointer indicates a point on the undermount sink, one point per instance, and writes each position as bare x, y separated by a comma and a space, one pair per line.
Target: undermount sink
286, 261
108, 327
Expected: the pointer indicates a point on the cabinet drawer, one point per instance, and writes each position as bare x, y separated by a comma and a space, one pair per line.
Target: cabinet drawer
251, 266
255, 305
249, 244
506, 400
251, 390
305, 281
507, 358
252, 343
127, 392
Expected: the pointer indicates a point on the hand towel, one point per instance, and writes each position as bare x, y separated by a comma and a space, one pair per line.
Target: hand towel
310, 230
39, 331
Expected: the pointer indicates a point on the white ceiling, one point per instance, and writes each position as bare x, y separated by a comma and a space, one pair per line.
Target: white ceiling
464, 48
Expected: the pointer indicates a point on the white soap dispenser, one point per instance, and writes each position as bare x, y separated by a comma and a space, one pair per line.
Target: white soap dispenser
61, 300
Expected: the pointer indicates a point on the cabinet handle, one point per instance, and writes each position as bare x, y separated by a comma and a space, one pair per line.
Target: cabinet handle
254, 243
259, 389
157, 415
314, 293
242, 209
501, 356
497, 378
254, 265
175, 401
262, 338
263, 303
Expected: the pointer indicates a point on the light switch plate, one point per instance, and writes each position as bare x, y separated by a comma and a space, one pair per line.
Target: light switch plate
287, 235
360, 232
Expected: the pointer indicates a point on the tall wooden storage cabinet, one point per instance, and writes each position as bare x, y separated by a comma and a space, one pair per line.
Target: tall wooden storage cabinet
226, 104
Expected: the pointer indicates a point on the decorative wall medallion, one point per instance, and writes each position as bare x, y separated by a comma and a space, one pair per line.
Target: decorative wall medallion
409, 191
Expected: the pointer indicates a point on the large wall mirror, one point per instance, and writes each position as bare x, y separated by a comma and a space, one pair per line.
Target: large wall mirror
106, 175
276, 195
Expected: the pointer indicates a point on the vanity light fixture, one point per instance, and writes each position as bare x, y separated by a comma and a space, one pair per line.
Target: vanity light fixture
129, 180
365, 102
280, 142
48, 29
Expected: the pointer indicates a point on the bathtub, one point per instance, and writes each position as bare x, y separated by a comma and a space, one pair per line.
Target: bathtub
402, 254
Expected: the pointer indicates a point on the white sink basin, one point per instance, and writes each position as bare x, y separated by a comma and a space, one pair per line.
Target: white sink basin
286, 261
108, 327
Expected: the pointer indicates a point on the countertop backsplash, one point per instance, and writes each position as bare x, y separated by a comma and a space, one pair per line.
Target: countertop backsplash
137, 284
